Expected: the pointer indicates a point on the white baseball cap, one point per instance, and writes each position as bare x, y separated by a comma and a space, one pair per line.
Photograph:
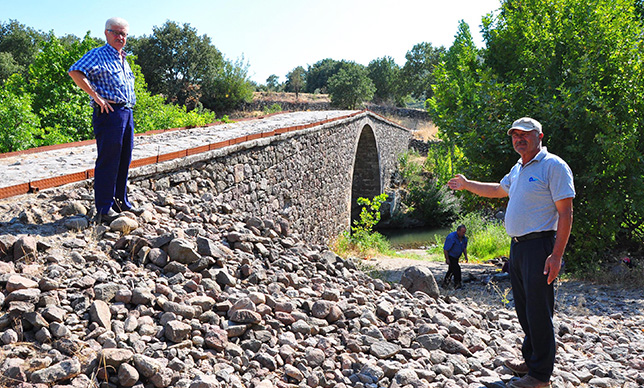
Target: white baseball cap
526, 124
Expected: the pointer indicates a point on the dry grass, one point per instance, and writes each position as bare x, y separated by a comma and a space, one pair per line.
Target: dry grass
417, 159
422, 129
426, 131
290, 97
621, 275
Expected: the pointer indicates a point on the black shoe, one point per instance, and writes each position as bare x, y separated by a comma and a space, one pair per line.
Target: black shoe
108, 217
135, 210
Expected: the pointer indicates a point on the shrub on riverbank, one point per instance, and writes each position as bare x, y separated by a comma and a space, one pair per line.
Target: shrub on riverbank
424, 190
363, 241
487, 238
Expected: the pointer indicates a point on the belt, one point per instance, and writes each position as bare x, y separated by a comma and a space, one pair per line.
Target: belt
534, 235
126, 105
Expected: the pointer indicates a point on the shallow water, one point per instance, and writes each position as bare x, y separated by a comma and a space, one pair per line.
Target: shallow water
414, 238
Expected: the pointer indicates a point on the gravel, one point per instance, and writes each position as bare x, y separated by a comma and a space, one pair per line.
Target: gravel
192, 295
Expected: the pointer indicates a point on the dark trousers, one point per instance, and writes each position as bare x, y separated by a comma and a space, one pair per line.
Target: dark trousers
114, 133
534, 303
454, 269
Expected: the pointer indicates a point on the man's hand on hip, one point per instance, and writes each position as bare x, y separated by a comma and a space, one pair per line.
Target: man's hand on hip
103, 104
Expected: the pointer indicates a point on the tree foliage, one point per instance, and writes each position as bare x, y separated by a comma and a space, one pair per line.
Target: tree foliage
426, 193
351, 86
19, 125
19, 45
175, 62
63, 110
385, 73
296, 80
189, 70
576, 67
417, 75
318, 74
152, 113
228, 88
273, 83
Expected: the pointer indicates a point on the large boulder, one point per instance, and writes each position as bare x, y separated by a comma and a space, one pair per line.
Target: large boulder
182, 251
419, 278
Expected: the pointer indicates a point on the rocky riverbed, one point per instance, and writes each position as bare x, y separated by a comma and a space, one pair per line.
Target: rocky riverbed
191, 294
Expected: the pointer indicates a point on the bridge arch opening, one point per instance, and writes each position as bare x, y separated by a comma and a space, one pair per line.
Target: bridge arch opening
366, 170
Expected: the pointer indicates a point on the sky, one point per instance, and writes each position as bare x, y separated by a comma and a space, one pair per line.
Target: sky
272, 36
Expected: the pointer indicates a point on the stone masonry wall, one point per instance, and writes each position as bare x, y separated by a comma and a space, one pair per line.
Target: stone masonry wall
302, 177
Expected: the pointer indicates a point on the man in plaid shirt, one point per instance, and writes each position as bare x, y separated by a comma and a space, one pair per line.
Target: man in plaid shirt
105, 75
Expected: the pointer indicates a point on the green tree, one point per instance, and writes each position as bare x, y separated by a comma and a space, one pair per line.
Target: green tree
19, 46
384, 72
176, 62
318, 74
62, 107
417, 74
296, 81
272, 83
152, 113
351, 86
576, 67
19, 125
8, 66
228, 87
189, 70
463, 103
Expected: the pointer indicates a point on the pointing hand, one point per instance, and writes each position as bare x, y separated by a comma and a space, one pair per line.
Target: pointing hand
457, 183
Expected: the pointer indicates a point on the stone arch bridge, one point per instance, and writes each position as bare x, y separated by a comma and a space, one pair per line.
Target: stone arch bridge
305, 167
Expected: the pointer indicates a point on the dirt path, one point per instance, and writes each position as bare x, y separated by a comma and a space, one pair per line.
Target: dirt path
392, 267
485, 285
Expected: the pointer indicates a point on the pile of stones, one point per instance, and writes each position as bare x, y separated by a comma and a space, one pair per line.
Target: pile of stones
191, 294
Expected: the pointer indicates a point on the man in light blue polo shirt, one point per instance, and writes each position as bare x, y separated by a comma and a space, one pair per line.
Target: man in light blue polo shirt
539, 219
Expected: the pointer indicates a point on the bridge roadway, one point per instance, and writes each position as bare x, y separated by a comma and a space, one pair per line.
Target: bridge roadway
37, 169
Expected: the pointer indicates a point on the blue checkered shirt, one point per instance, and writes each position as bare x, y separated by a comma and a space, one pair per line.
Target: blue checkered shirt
109, 74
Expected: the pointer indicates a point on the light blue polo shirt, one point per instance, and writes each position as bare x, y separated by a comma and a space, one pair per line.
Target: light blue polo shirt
533, 190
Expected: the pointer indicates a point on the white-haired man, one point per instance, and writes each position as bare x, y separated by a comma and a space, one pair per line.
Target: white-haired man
106, 76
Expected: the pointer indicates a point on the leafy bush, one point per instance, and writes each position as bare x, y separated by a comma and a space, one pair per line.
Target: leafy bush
228, 87
363, 240
409, 165
61, 106
427, 195
487, 239
18, 124
369, 214
433, 202
351, 86
274, 108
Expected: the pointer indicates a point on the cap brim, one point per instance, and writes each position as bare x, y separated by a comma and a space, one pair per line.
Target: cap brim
521, 129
